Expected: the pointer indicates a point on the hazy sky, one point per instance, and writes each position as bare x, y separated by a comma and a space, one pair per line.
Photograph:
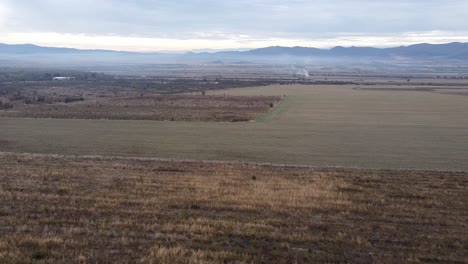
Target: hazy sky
154, 25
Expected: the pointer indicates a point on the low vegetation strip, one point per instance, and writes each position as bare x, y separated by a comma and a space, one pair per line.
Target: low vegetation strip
56, 209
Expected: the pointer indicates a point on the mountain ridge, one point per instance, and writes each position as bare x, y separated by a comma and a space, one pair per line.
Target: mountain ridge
453, 50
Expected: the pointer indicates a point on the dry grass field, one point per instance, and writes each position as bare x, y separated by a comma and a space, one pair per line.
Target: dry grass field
56, 209
152, 107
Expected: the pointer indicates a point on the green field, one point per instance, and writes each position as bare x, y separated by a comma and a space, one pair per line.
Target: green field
315, 125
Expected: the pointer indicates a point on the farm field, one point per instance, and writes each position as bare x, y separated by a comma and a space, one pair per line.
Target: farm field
64, 209
317, 125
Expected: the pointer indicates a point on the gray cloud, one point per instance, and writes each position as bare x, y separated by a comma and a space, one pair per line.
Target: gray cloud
213, 18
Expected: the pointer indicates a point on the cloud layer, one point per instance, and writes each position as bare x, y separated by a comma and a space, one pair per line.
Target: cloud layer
230, 24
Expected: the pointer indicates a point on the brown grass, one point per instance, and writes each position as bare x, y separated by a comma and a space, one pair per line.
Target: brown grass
57, 209
155, 107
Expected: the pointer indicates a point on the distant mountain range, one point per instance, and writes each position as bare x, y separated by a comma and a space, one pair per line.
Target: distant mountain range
24, 49
455, 50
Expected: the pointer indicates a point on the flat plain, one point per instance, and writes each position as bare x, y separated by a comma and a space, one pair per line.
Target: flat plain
57, 209
317, 125
343, 172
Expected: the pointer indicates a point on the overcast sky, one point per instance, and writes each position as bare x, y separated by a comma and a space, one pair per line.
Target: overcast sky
155, 25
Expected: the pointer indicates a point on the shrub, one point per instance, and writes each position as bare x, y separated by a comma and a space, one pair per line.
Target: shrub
39, 254
73, 99
240, 119
5, 105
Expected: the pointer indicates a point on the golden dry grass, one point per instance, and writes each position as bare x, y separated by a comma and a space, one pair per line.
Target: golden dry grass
56, 209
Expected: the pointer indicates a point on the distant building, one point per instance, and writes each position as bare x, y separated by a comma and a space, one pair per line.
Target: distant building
63, 78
